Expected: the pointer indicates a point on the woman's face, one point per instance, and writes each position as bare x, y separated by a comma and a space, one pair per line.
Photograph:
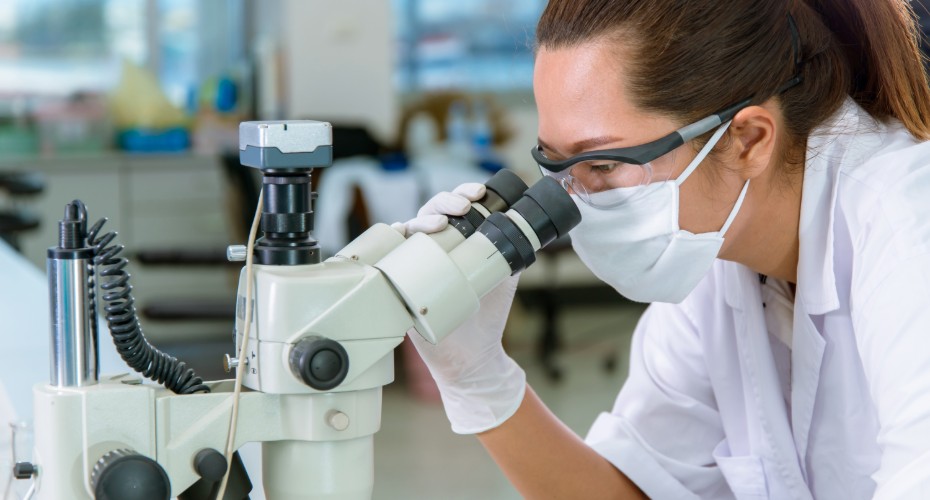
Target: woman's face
583, 106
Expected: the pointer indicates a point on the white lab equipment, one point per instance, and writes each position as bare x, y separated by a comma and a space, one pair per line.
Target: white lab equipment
716, 408
315, 339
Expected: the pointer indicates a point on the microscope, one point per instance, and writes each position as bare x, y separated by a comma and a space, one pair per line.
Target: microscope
318, 335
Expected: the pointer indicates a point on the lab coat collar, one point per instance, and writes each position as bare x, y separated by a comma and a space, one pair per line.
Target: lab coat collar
843, 141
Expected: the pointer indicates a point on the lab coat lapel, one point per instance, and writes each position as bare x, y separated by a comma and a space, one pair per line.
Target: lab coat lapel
816, 288
758, 365
806, 359
768, 427
816, 293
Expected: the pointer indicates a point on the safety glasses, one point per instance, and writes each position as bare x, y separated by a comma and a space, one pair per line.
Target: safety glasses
629, 168
625, 171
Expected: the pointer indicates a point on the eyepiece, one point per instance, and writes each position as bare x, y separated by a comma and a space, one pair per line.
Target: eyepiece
550, 213
509, 240
503, 190
508, 188
549, 210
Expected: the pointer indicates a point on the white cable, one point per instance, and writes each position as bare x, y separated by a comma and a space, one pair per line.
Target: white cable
31, 491
234, 417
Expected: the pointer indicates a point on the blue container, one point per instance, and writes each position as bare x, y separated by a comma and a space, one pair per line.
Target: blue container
154, 140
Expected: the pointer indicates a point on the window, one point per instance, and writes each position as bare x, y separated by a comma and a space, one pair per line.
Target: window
478, 45
61, 47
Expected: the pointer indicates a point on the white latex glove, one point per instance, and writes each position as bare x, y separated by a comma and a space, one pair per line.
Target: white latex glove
432, 217
480, 385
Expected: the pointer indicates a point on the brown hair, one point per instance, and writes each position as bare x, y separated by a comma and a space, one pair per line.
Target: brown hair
694, 58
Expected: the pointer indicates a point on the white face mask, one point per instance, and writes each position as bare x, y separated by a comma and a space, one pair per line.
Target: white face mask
639, 249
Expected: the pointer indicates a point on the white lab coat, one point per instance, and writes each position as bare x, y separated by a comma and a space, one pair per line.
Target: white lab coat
707, 412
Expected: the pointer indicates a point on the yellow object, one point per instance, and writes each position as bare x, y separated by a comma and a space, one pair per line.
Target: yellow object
139, 102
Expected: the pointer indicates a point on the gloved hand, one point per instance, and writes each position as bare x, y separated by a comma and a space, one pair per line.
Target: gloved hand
432, 217
480, 385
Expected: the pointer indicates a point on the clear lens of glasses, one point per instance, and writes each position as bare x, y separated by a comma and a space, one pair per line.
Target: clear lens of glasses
607, 183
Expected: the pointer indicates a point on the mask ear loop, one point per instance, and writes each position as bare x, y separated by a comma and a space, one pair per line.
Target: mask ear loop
732, 216
714, 139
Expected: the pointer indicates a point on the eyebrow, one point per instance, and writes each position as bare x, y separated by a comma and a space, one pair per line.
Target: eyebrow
578, 147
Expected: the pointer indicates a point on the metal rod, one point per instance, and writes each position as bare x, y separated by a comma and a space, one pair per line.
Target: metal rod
73, 343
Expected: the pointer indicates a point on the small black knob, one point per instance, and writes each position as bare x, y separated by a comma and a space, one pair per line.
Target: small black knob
127, 475
320, 362
24, 470
210, 465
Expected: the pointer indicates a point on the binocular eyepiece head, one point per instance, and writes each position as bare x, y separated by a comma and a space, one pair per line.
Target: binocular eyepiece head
287, 151
548, 211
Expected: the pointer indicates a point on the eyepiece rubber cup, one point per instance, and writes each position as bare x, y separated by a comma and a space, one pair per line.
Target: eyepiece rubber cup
508, 185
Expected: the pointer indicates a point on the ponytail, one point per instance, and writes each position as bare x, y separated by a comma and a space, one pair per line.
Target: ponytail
880, 41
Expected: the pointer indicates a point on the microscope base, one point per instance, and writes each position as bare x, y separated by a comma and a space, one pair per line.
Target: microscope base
314, 445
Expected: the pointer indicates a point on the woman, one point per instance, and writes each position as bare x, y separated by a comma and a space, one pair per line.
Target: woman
783, 235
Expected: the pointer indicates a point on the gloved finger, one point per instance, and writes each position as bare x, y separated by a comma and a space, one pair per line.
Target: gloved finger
426, 224
471, 190
447, 204
400, 227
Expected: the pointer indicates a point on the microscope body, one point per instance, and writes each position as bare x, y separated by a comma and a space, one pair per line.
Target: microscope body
351, 300
345, 302
320, 344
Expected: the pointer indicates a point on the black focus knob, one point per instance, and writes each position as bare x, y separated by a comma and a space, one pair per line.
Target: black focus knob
320, 362
126, 475
210, 465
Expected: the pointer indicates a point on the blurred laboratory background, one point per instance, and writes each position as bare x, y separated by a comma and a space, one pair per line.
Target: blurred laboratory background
133, 106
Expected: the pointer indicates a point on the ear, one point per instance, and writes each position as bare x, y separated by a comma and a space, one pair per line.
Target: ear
752, 136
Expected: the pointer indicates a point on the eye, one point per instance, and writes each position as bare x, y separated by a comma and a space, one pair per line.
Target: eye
605, 168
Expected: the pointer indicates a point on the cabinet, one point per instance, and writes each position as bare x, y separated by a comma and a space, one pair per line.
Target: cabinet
153, 202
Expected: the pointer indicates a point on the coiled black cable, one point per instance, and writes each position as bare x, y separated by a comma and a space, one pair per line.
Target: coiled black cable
124, 324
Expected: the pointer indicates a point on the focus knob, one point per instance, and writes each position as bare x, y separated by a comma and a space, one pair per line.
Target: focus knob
320, 362
126, 475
